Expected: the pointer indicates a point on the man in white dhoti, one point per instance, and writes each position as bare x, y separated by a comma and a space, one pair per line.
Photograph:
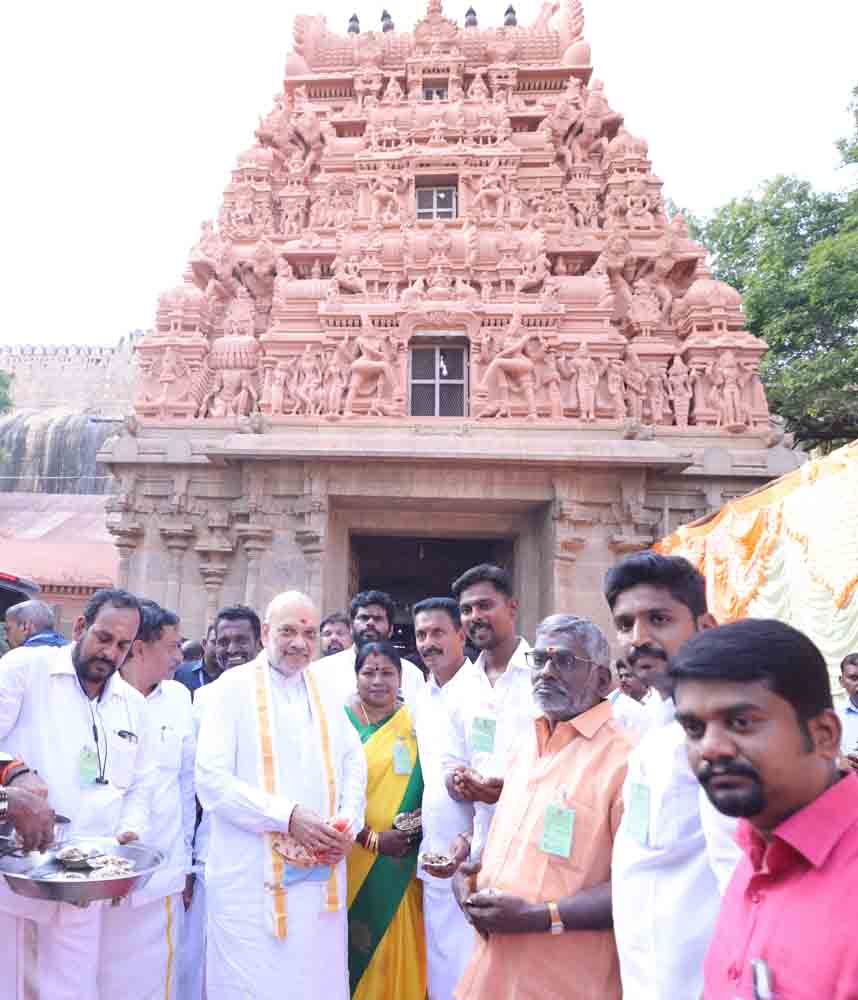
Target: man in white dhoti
152, 917
283, 775
371, 613
69, 714
240, 633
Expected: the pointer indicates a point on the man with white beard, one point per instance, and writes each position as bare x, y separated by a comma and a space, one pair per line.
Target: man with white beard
283, 774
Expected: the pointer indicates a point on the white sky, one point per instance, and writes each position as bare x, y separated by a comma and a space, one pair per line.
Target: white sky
120, 123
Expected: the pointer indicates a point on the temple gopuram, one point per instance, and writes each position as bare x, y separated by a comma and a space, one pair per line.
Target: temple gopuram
441, 318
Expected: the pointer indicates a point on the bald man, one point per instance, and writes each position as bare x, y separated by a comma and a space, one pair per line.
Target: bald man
283, 775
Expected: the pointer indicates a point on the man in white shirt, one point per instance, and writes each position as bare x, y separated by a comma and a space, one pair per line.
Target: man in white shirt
69, 714
499, 713
673, 853
372, 615
153, 916
283, 774
449, 937
628, 710
241, 640
849, 713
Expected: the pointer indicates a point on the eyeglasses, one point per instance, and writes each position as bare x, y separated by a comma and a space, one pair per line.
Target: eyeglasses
537, 658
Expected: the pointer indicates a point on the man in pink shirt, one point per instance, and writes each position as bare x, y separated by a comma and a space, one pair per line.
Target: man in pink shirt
763, 739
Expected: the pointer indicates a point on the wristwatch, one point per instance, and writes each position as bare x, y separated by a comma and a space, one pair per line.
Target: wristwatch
4, 804
554, 912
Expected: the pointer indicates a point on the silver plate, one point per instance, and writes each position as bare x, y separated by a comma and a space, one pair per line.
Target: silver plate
34, 874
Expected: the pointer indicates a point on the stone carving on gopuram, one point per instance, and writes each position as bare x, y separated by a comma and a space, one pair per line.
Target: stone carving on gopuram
457, 182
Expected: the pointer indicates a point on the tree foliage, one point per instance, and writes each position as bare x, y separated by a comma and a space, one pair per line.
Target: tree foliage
793, 254
5, 392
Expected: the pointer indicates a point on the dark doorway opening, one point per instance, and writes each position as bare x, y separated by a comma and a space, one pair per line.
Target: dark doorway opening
411, 568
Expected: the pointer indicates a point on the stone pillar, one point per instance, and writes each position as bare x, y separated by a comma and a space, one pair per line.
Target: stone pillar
313, 546
177, 538
214, 565
255, 538
569, 539
126, 537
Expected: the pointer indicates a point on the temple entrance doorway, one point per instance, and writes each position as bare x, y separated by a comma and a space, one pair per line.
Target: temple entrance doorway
411, 568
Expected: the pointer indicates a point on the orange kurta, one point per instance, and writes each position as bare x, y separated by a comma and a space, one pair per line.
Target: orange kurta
582, 766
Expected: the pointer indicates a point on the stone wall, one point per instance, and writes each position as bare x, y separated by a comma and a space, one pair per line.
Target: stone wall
81, 378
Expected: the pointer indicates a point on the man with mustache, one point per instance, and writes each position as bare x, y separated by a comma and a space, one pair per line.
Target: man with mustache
672, 853
238, 636
71, 716
283, 773
540, 895
239, 630
372, 615
203, 671
490, 725
335, 634
763, 738
153, 917
441, 644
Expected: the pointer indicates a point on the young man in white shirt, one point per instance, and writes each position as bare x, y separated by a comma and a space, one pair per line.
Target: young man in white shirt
499, 713
372, 614
673, 853
441, 643
153, 916
68, 713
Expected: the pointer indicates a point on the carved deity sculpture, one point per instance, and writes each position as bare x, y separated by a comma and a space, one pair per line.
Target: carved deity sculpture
174, 379
232, 395
656, 394
588, 371
616, 371
551, 381
638, 205
488, 200
533, 274
440, 245
680, 391
372, 373
614, 210
645, 308
478, 91
393, 92
337, 376
384, 197
729, 376
282, 400
511, 367
635, 377
347, 276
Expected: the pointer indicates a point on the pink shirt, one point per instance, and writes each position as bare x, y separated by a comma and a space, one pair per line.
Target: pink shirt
790, 903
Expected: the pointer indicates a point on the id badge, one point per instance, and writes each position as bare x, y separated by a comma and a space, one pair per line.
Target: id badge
401, 758
87, 767
637, 819
483, 734
557, 830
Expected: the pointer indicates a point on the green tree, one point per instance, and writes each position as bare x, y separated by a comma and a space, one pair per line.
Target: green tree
793, 254
5, 392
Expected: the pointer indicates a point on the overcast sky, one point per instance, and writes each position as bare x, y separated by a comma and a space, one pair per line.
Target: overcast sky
120, 123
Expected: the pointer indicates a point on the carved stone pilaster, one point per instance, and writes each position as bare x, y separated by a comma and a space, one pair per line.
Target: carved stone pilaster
215, 552
177, 536
636, 524
127, 534
311, 514
255, 538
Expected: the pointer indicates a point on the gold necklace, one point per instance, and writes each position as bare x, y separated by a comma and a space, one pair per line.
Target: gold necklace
363, 709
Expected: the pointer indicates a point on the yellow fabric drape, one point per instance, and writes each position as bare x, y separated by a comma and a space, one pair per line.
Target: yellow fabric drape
787, 551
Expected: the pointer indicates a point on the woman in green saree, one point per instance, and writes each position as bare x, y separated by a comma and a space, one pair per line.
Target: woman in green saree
387, 951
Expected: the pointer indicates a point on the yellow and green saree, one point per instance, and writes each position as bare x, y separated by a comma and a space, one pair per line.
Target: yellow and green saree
387, 950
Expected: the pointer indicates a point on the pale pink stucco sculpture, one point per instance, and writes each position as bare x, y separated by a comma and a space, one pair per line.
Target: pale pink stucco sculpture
552, 259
